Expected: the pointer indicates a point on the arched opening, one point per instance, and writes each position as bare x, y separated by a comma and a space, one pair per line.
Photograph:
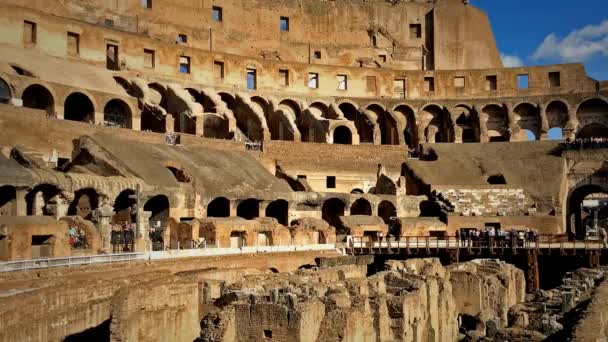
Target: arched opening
278, 209
527, 117
587, 210
365, 128
84, 203
555, 133
430, 208
8, 199
125, 207
593, 111
249, 124
5, 92
496, 180
158, 206
215, 126
117, 113
38, 97
331, 211
593, 130
357, 191
496, 123
78, 107
437, 128
42, 200
389, 134
152, 120
179, 174
410, 133
361, 207
184, 123
557, 116
273, 270
468, 123
219, 207
248, 209
342, 136
386, 210
291, 113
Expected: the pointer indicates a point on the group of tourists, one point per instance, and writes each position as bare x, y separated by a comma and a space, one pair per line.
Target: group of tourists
253, 146
492, 237
585, 143
77, 237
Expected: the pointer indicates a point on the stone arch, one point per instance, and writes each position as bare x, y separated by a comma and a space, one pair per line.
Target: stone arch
79, 107
157, 94
467, 121
331, 211
229, 100
592, 111
361, 207
6, 93
342, 135
117, 113
575, 199
592, 130
219, 207
248, 123
365, 128
85, 202
38, 96
410, 132
557, 118
527, 117
158, 207
125, 207
42, 200
216, 126
321, 110
8, 200
248, 209
291, 113
389, 127
386, 210
437, 121
497, 122
278, 209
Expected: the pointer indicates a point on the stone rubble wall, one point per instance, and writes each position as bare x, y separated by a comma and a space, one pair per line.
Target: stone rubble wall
487, 202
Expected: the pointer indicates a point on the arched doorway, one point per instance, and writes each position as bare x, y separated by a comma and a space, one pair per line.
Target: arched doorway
361, 207
410, 133
365, 128
278, 209
386, 210
158, 206
117, 114
437, 128
389, 134
592, 116
557, 117
527, 117
38, 97
42, 200
342, 136
84, 203
248, 209
78, 107
496, 123
331, 211
215, 126
587, 210
8, 199
5, 92
125, 207
219, 207
468, 122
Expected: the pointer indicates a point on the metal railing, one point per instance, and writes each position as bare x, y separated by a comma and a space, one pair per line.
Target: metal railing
22, 265
428, 244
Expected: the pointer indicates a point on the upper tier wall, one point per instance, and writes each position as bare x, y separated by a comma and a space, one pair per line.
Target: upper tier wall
343, 32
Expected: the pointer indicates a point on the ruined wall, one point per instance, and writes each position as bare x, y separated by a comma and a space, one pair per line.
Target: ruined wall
480, 201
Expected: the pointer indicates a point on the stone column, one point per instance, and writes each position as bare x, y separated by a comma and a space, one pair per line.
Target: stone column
136, 123
21, 203
16, 102
544, 123
200, 125
233, 205
104, 216
142, 234
571, 126
169, 123
262, 208
98, 118
483, 128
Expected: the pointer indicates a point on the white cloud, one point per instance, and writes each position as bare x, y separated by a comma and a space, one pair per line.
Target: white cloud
579, 45
509, 61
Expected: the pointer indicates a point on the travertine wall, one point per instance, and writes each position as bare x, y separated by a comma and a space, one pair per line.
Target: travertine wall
487, 202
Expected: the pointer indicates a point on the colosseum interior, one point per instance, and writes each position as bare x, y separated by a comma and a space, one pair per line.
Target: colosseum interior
319, 170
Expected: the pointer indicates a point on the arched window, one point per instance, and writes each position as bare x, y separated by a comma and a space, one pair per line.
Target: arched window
342, 136
38, 97
117, 114
361, 207
497, 180
219, 207
248, 209
278, 209
331, 211
78, 107
5, 92
386, 210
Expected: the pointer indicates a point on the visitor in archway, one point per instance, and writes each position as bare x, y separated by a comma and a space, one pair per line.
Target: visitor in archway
603, 236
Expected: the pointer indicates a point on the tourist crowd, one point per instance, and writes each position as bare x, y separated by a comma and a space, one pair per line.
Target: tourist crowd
585, 143
77, 237
253, 146
173, 138
492, 237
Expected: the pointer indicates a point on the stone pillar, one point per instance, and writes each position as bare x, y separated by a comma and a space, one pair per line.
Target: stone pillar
21, 203
98, 118
61, 207
16, 102
200, 125
262, 208
483, 128
104, 216
544, 123
169, 123
136, 123
142, 234
38, 204
233, 205
60, 111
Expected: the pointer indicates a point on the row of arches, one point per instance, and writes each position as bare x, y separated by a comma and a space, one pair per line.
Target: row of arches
258, 118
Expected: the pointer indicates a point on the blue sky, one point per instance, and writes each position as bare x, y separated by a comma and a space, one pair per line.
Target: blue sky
536, 32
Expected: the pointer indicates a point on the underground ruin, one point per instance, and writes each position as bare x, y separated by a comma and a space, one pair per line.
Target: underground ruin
319, 170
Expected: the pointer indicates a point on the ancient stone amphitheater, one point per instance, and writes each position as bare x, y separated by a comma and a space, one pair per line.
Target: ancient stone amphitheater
179, 170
